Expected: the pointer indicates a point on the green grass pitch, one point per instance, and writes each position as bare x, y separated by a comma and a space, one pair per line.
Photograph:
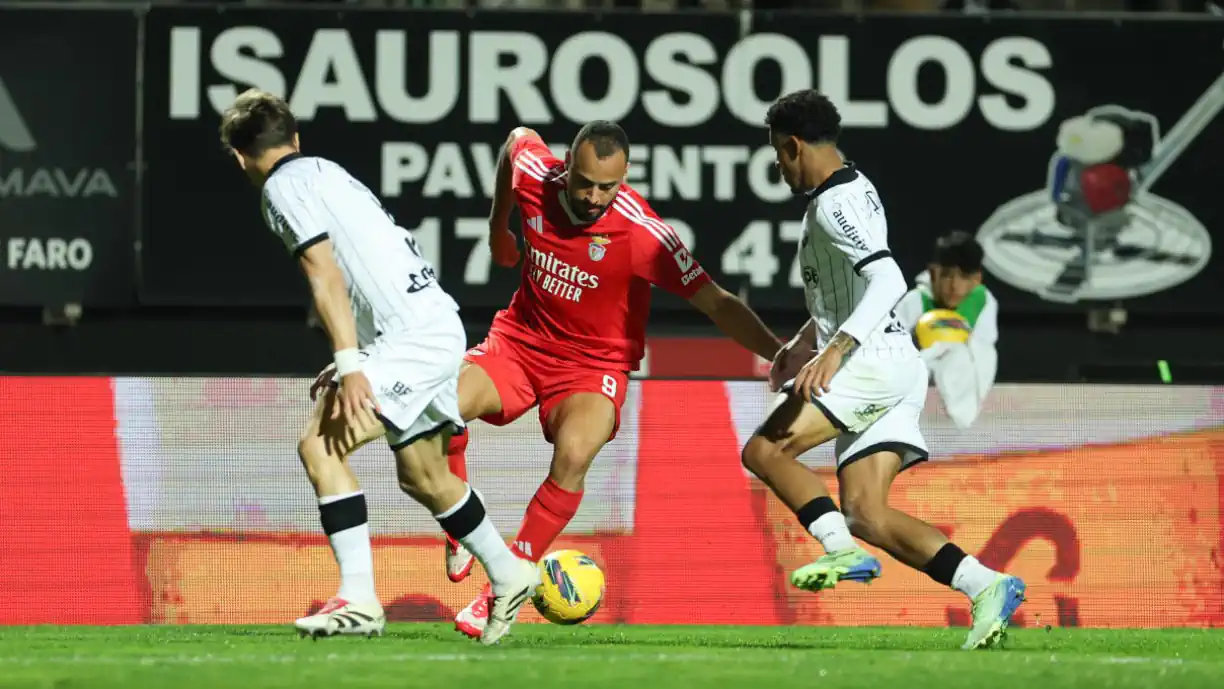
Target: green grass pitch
637, 657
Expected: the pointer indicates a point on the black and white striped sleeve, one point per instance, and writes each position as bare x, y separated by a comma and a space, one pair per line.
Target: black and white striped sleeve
289, 210
851, 235
872, 260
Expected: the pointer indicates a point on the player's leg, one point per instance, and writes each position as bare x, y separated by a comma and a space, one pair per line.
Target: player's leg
477, 397
579, 425
423, 474
794, 426
324, 448
867, 465
581, 414
493, 387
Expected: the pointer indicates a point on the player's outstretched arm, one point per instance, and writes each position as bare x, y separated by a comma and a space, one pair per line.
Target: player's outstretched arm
502, 242
503, 188
330, 295
331, 301
736, 320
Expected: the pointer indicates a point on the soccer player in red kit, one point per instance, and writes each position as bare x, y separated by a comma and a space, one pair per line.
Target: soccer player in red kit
592, 249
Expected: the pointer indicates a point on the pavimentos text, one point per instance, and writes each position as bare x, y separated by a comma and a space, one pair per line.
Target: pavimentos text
953, 117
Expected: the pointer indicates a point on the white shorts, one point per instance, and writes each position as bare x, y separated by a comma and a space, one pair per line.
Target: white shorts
876, 404
415, 377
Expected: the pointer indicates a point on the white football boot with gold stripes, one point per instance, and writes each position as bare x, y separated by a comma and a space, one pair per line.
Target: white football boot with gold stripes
339, 616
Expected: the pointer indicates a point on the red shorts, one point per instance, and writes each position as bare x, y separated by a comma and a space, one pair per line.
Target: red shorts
526, 377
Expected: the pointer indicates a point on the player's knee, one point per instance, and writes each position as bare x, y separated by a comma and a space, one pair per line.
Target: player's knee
760, 455
313, 454
422, 485
423, 479
570, 463
866, 515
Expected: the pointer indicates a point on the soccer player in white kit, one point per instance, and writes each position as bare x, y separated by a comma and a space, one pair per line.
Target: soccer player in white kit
398, 345
857, 380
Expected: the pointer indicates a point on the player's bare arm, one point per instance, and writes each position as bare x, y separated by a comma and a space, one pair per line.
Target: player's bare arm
793, 355
331, 300
736, 320
501, 238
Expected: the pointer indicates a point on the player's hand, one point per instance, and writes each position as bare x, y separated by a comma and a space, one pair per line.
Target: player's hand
814, 378
504, 246
355, 400
787, 362
322, 381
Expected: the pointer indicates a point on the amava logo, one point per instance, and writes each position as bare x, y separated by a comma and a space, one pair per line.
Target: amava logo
14, 134
53, 181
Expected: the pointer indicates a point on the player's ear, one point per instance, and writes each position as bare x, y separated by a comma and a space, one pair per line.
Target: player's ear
297, 141
794, 146
625, 177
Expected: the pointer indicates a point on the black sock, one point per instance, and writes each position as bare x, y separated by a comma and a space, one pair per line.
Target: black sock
343, 514
464, 519
815, 509
943, 566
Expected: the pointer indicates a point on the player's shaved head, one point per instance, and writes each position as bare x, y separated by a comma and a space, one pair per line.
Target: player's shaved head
256, 123
607, 138
597, 163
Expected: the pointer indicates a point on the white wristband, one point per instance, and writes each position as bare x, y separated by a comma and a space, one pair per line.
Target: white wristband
348, 361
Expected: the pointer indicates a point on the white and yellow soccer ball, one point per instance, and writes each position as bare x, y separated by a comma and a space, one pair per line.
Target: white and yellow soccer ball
572, 588
941, 325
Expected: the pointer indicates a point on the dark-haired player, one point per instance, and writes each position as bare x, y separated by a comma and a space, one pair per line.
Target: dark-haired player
864, 388
963, 372
592, 249
398, 345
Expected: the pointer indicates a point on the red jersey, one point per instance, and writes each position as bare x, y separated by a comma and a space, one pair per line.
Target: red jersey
585, 289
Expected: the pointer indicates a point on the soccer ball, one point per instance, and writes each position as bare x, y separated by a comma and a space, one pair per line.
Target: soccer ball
941, 325
572, 588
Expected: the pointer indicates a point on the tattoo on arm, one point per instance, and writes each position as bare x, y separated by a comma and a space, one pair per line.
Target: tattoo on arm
843, 343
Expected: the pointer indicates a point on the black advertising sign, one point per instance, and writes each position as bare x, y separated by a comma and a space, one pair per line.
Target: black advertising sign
981, 125
962, 124
67, 143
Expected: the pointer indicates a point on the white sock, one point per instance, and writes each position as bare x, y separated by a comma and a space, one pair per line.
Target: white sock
831, 530
973, 577
351, 547
484, 542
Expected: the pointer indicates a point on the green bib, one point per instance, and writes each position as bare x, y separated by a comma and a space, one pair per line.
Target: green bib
970, 308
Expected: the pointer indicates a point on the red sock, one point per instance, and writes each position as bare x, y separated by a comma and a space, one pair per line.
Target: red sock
457, 460
455, 456
550, 510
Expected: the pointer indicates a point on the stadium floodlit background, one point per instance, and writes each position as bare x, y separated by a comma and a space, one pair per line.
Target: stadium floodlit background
157, 343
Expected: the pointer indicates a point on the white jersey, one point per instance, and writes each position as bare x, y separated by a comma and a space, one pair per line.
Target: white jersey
392, 287
845, 230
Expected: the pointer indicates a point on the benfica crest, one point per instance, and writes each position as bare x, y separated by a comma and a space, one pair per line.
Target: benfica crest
597, 249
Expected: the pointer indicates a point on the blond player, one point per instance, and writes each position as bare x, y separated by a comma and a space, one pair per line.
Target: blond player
398, 345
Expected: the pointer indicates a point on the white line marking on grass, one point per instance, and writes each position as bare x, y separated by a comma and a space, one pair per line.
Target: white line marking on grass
309, 659
727, 656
